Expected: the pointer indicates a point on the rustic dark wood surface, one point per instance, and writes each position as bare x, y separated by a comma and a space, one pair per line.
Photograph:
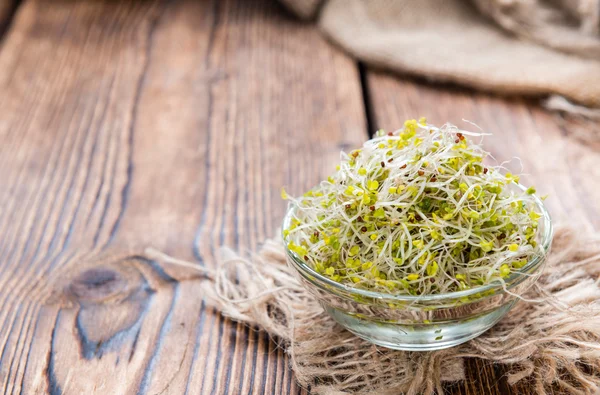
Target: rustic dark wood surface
173, 124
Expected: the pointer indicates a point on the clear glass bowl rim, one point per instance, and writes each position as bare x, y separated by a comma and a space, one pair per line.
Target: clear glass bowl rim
514, 279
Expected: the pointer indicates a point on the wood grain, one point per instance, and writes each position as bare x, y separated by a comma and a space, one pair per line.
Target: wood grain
171, 124
552, 160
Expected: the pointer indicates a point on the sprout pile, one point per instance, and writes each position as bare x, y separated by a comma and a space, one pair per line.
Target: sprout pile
415, 212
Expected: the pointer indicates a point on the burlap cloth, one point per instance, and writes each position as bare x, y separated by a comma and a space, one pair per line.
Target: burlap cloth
554, 344
526, 47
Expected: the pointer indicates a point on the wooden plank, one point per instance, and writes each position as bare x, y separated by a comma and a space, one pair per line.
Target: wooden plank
555, 162
171, 124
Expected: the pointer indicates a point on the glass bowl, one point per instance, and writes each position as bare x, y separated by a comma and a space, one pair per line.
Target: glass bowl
427, 322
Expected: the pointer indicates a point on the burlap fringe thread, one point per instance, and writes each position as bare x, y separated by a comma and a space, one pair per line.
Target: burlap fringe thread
552, 347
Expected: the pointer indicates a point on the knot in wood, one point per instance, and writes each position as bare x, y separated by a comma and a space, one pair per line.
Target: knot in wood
97, 284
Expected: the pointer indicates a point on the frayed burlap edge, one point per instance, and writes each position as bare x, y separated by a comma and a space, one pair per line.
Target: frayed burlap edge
551, 346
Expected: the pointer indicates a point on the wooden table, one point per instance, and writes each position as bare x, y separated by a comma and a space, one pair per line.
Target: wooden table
174, 124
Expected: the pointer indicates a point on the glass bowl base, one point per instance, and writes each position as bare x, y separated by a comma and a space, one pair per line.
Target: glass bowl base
418, 336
